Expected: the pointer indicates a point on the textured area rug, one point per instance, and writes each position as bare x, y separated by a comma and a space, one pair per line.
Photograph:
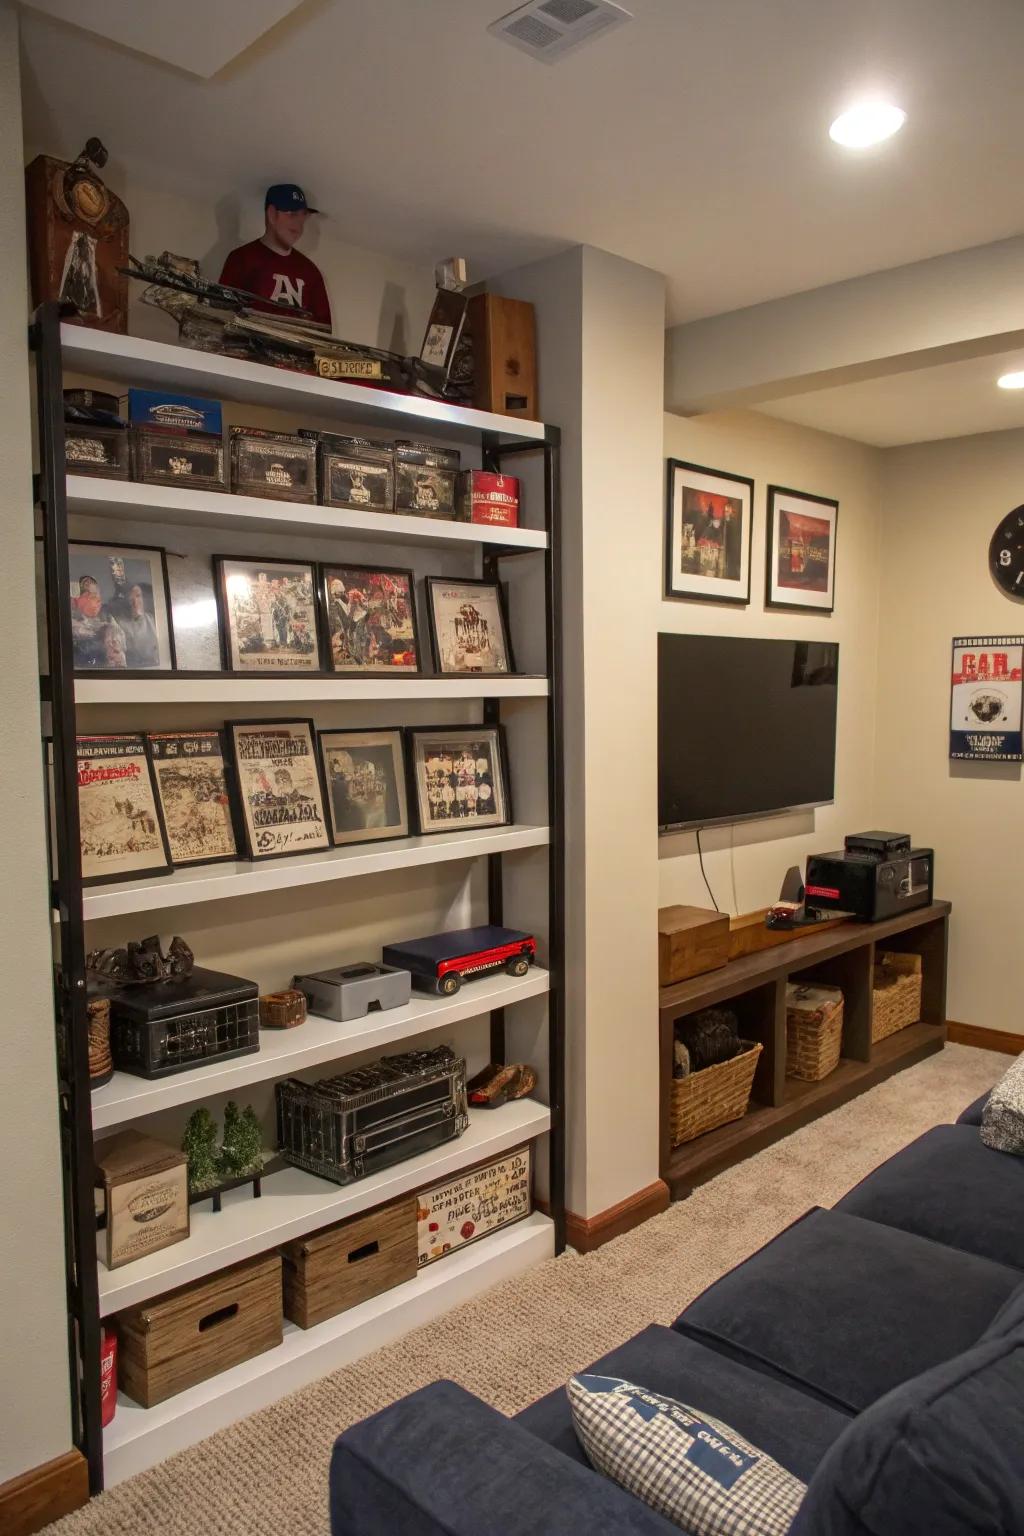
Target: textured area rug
268, 1473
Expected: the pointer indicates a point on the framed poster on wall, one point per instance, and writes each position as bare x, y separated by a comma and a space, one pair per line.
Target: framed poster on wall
708, 521
800, 568
985, 722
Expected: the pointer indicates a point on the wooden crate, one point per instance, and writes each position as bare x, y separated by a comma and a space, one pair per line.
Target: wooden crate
333, 1270
691, 940
199, 1330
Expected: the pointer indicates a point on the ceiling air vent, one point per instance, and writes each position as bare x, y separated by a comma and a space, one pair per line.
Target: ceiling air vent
549, 29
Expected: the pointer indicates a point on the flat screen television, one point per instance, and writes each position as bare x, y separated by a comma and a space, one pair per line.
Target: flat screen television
746, 728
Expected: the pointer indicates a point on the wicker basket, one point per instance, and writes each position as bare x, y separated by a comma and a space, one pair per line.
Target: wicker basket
814, 1031
896, 994
713, 1097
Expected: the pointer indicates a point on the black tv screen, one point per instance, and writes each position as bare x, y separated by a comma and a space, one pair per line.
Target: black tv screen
746, 728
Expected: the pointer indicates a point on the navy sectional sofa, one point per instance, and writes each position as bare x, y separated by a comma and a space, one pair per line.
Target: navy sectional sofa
875, 1350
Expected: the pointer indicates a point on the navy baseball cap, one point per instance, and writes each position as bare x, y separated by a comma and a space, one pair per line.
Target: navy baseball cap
286, 197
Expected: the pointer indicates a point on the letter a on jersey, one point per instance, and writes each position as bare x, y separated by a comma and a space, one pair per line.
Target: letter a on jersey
288, 289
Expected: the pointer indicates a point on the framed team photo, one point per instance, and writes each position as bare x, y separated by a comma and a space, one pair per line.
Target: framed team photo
801, 560
191, 776
364, 775
279, 787
709, 520
468, 627
268, 617
459, 777
121, 829
371, 620
120, 608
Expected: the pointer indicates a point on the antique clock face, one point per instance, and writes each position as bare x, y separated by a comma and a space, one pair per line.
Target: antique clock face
1006, 553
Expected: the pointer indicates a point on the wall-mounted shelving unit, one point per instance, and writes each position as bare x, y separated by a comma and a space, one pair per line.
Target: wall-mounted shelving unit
293, 1202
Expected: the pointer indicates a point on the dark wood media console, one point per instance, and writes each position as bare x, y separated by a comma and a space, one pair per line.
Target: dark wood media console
755, 988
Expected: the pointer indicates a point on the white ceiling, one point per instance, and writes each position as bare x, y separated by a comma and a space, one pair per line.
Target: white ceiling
693, 140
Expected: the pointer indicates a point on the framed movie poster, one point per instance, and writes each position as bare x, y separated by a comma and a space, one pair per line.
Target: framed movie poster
122, 834
371, 619
120, 608
364, 773
279, 787
708, 525
267, 615
459, 777
801, 561
985, 712
468, 629
192, 788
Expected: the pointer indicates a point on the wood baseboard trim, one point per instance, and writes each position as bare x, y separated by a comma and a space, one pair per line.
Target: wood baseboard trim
34, 1499
585, 1233
984, 1039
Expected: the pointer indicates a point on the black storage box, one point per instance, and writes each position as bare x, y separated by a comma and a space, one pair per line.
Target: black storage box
169, 1026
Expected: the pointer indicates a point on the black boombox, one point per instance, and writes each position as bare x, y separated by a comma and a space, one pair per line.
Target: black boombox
877, 875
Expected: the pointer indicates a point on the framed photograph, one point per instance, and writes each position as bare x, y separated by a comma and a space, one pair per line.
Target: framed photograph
801, 561
371, 620
120, 608
986, 708
267, 615
194, 795
459, 777
364, 774
122, 832
708, 524
279, 787
468, 628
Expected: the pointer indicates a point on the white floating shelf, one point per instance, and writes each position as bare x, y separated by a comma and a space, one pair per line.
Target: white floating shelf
284, 1051
294, 1202
140, 1437
133, 360
229, 689
252, 514
220, 882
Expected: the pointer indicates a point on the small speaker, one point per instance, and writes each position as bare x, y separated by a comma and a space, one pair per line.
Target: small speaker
504, 356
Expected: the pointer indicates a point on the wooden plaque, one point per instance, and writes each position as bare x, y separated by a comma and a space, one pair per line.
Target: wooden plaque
78, 238
504, 355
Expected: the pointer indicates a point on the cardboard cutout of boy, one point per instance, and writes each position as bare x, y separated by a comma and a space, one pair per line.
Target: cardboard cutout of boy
271, 267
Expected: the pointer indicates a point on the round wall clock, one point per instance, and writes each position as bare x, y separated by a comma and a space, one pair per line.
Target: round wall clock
1006, 553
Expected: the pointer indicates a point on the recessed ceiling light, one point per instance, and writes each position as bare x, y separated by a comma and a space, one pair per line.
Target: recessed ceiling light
1011, 381
867, 124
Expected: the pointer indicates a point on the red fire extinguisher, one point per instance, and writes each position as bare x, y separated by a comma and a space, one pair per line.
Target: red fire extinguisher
108, 1376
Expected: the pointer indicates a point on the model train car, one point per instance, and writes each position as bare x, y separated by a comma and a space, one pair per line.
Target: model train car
440, 962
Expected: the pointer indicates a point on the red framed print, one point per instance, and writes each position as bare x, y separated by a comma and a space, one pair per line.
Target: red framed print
801, 560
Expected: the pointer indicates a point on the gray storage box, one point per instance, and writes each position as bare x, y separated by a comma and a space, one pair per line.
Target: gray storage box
351, 991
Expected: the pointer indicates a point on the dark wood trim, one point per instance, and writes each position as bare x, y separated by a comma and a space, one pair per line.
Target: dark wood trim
36, 1498
985, 1039
585, 1233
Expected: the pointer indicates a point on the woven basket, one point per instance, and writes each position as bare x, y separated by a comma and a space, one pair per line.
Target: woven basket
896, 994
714, 1096
814, 1038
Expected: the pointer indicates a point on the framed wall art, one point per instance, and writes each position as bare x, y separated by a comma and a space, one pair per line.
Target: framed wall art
364, 774
121, 829
267, 615
459, 777
468, 627
371, 619
279, 787
708, 523
801, 557
985, 709
194, 795
120, 608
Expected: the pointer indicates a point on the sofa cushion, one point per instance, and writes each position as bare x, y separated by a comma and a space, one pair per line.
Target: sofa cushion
848, 1308
1009, 1316
947, 1185
1002, 1120
694, 1470
972, 1114
792, 1427
939, 1456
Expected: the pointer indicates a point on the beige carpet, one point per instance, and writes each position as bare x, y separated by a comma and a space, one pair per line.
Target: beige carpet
268, 1474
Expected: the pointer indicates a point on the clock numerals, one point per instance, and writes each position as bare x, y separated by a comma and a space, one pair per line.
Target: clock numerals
1005, 557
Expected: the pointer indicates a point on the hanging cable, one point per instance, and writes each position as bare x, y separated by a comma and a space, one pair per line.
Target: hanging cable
700, 855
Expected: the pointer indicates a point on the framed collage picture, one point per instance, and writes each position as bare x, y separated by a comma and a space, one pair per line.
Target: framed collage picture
280, 788
268, 618
801, 550
468, 627
120, 608
708, 525
371, 620
364, 772
191, 775
459, 777
121, 827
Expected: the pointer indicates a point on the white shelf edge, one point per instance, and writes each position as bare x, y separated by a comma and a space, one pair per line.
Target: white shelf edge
229, 689
284, 1051
140, 1437
218, 882
295, 1202
99, 497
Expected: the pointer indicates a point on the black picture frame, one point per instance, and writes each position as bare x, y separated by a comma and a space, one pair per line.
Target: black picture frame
224, 616
435, 639
252, 853
326, 740
776, 493
128, 549
691, 587
231, 789
149, 871
450, 734
325, 571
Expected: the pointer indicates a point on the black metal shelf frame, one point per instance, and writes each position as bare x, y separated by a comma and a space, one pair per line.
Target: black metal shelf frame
76, 1131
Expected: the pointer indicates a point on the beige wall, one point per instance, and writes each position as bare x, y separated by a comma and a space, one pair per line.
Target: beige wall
746, 862
34, 1413
942, 503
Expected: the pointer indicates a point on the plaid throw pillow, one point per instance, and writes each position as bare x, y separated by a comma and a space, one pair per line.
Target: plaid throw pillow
692, 1469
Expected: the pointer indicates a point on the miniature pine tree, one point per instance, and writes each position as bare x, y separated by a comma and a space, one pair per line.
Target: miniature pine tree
242, 1147
200, 1147
250, 1136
